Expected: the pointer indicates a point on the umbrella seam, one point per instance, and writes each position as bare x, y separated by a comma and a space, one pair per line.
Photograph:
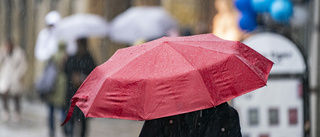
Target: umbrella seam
243, 60
167, 43
199, 47
120, 68
194, 68
91, 105
251, 68
94, 99
195, 41
225, 53
132, 59
246, 63
147, 117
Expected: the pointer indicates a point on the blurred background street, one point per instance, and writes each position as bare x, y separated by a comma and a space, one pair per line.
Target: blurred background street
79, 35
33, 123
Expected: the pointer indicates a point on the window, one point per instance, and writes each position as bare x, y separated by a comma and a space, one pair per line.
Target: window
253, 117
273, 116
293, 116
264, 135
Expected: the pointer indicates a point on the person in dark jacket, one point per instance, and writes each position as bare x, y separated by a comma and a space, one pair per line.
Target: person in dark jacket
77, 68
219, 121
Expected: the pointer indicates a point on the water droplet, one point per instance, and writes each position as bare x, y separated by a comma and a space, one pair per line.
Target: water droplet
222, 129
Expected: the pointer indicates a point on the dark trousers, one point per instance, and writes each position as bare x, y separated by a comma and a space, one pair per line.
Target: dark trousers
78, 121
51, 119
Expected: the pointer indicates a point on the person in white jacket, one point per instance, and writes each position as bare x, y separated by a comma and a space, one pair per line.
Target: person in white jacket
47, 43
13, 67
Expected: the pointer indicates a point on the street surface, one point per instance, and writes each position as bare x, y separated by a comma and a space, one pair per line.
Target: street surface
33, 123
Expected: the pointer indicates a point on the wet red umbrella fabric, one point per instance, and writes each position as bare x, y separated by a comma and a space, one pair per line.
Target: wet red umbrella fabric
171, 76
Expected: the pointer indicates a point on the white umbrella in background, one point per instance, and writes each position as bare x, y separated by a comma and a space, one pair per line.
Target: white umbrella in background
78, 26
141, 23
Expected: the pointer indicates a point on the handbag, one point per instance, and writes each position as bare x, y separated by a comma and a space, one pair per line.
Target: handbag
46, 83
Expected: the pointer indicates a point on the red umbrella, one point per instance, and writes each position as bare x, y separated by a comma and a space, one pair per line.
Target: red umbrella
170, 76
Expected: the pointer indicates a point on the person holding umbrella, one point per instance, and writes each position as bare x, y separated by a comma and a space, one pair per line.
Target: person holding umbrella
219, 121
174, 82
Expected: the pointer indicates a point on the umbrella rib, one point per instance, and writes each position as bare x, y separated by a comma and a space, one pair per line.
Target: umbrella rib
117, 70
90, 106
177, 42
128, 62
167, 43
252, 69
188, 40
243, 60
156, 107
193, 67
94, 98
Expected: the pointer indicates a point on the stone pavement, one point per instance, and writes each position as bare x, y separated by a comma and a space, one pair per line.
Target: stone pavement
33, 123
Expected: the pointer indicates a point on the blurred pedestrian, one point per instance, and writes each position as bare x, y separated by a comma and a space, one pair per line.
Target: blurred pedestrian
77, 68
47, 44
219, 121
51, 55
56, 98
186, 31
13, 67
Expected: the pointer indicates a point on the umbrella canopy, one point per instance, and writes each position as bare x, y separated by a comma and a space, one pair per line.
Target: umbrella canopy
170, 76
81, 25
141, 23
78, 26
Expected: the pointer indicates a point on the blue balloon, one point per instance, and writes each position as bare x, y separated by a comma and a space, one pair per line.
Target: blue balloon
248, 22
261, 5
281, 10
243, 5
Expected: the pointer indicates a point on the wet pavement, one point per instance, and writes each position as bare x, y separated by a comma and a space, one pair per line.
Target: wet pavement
33, 123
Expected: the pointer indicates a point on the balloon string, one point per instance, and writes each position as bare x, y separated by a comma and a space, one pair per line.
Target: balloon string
70, 112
